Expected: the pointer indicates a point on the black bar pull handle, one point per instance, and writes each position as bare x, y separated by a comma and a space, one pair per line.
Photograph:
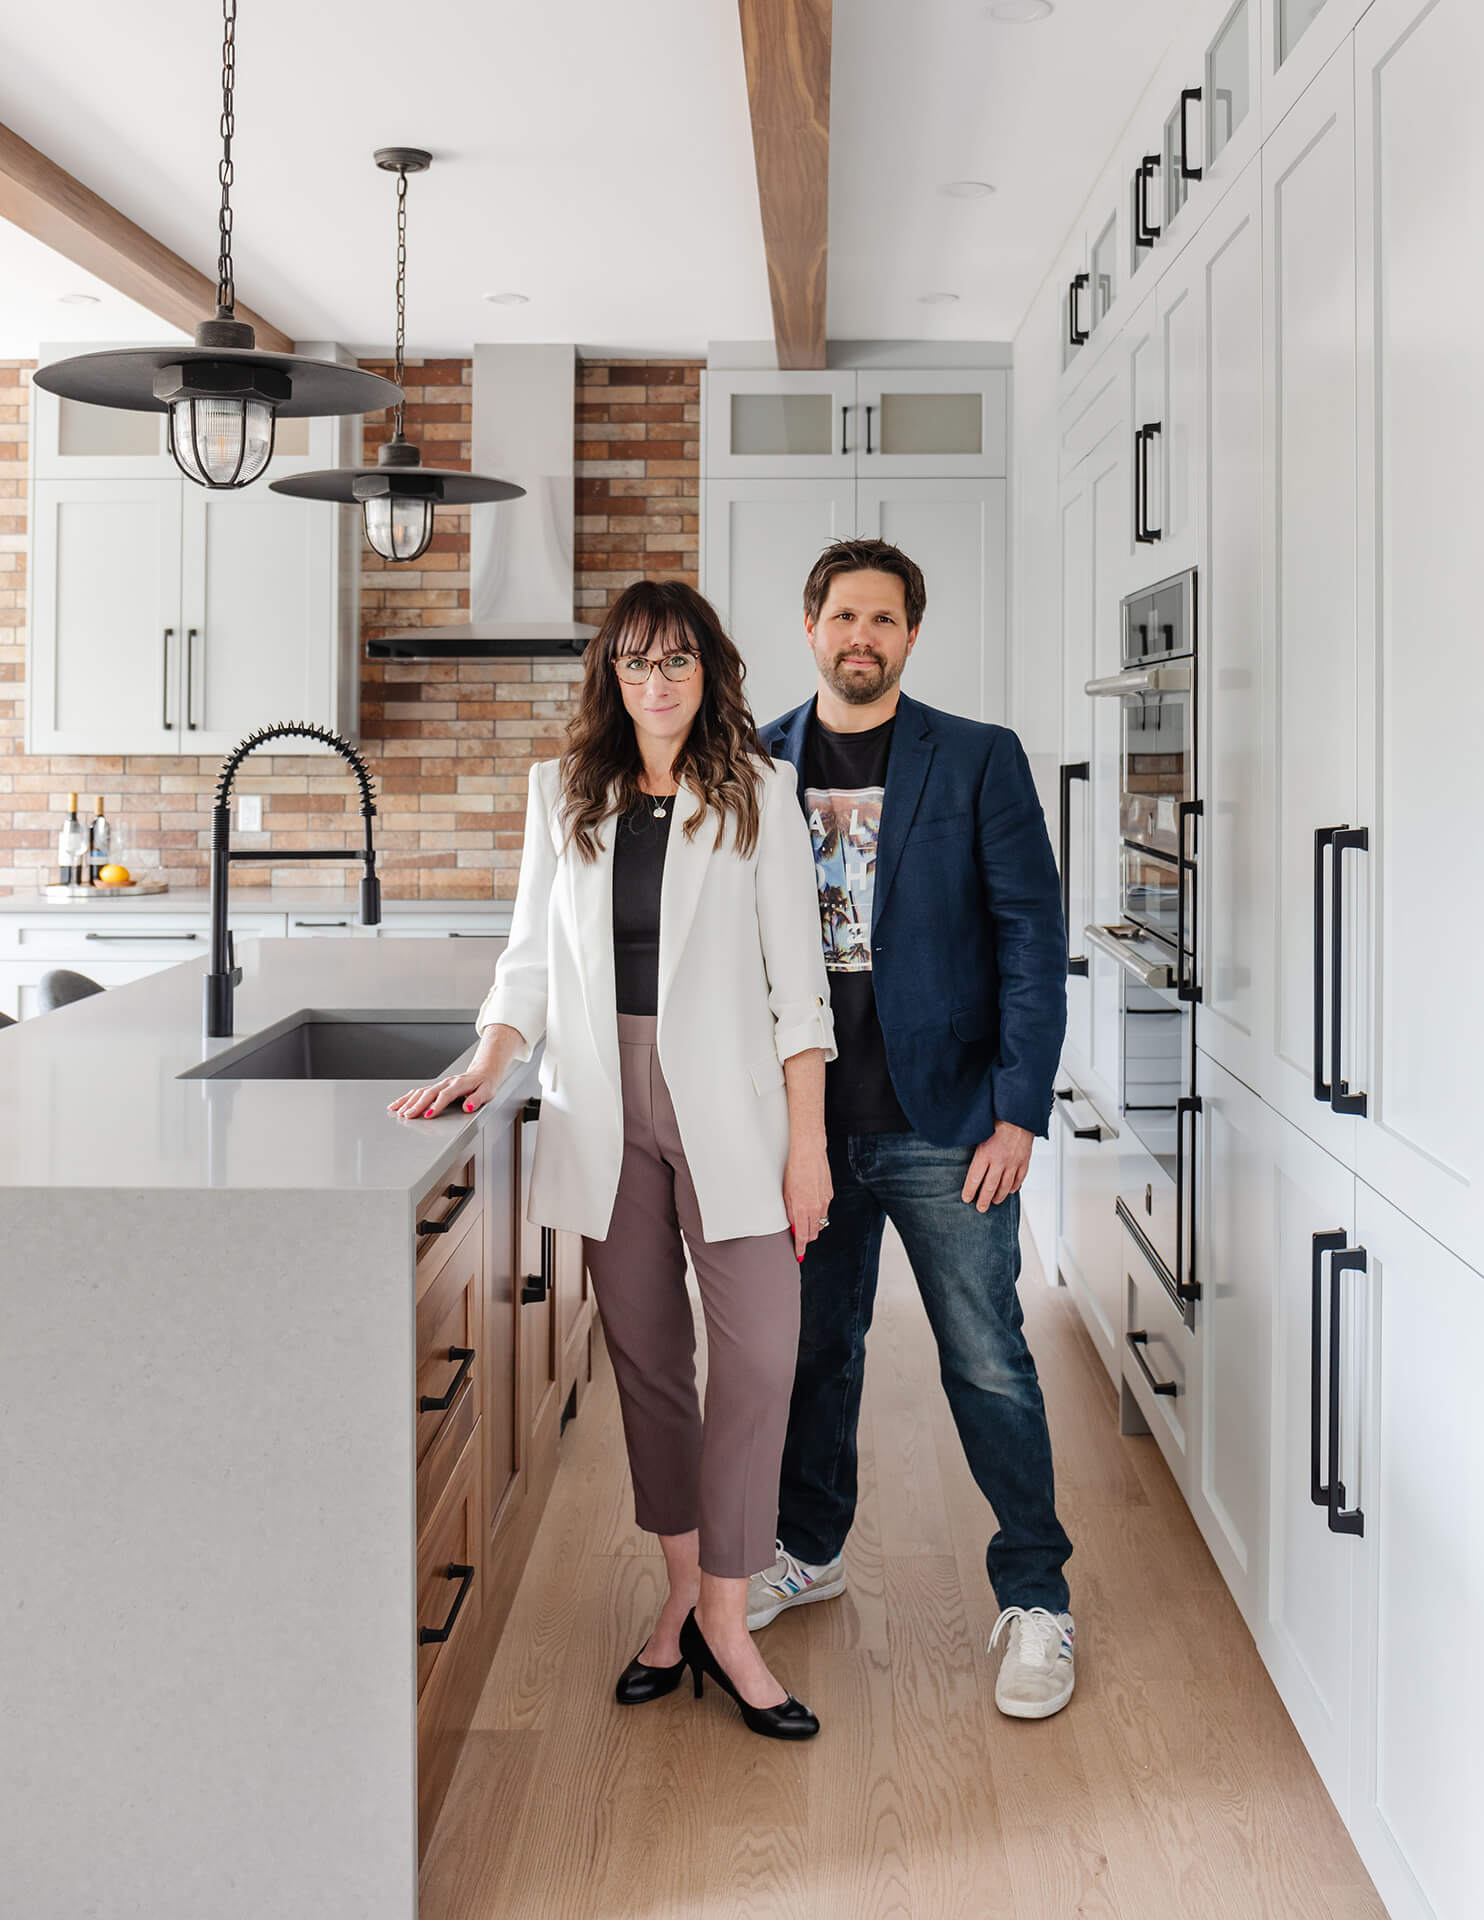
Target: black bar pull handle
1138, 1339
845, 428
465, 1577
1187, 988
1071, 770
440, 1402
1187, 171
165, 720
870, 416
1076, 335
1143, 532
1145, 231
1345, 839
1323, 1243
535, 1287
1341, 1518
460, 1195
1186, 1284
190, 652
1323, 840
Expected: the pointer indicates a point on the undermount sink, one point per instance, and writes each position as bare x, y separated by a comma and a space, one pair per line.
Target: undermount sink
312, 1044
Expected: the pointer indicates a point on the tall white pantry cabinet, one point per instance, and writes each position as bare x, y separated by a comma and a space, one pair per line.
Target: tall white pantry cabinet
1301, 331
796, 460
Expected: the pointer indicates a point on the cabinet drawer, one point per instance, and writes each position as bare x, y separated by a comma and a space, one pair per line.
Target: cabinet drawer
449, 1336
106, 936
443, 1211
435, 1467
1159, 1357
450, 1579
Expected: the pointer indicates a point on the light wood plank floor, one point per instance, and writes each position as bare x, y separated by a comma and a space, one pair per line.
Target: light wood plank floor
1172, 1788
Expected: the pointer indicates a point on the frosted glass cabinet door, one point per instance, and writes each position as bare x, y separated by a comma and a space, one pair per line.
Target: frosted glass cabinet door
72, 440
955, 531
1421, 398
762, 537
105, 636
258, 605
946, 423
787, 425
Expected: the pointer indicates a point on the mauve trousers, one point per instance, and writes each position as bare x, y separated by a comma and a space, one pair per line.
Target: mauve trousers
719, 1474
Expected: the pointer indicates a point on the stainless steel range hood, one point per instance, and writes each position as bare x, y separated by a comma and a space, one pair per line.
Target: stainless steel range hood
520, 551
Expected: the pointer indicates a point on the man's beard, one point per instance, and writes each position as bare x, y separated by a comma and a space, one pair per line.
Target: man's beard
859, 686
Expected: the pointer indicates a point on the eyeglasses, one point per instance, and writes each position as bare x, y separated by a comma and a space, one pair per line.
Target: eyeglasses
634, 668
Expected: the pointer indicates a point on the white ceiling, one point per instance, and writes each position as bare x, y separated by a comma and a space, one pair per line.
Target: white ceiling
595, 157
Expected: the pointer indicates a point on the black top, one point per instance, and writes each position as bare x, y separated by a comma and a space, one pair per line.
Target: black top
844, 785
638, 870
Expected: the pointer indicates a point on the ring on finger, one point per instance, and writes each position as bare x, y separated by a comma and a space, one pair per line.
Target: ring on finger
824, 1219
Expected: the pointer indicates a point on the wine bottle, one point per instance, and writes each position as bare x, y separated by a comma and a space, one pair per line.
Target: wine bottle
100, 839
72, 846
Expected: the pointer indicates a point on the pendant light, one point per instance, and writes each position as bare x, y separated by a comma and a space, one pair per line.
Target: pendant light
398, 495
222, 395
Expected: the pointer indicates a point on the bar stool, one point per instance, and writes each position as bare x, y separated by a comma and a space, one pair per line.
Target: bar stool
61, 987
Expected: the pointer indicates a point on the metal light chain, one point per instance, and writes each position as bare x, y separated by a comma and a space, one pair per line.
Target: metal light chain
226, 292
401, 287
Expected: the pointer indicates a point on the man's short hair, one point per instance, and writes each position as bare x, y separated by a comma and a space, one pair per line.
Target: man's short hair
860, 556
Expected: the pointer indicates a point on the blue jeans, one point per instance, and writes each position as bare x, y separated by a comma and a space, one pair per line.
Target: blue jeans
966, 1264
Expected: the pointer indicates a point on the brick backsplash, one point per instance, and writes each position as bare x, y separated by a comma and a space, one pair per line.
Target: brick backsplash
449, 742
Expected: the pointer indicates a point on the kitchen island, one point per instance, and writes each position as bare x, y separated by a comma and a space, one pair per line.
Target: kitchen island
281, 1384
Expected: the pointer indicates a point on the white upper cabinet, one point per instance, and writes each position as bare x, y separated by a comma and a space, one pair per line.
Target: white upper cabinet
104, 673
801, 426
939, 423
1420, 150
1299, 38
1310, 608
171, 618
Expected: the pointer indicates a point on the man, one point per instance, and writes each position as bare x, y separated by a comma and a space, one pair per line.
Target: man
940, 912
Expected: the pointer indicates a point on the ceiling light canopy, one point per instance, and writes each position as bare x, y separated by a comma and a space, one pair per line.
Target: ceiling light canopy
968, 189
397, 496
937, 299
223, 397
508, 299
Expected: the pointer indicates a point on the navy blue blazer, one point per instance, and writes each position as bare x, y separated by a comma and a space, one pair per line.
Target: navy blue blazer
968, 943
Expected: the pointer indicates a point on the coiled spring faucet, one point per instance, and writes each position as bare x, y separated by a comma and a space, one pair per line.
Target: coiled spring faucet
224, 974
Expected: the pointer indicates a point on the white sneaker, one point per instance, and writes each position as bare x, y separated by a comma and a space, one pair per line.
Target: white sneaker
791, 1583
1037, 1670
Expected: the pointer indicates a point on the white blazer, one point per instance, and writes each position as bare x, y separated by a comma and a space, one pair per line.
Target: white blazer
742, 985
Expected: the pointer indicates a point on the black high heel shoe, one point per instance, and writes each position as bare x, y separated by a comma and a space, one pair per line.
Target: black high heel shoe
638, 1683
791, 1720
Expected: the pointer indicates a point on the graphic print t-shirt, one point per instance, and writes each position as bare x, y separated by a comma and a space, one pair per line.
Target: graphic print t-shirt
844, 785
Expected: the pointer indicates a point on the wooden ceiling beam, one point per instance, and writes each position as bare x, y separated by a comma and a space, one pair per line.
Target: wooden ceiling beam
786, 44
49, 204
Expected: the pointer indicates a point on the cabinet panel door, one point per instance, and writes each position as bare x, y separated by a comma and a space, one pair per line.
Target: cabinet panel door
1309, 571
1076, 749
73, 440
106, 641
802, 426
259, 610
931, 425
1229, 1491
1108, 486
1142, 386
1089, 1242
762, 537
1179, 459
504, 1455
1422, 565
955, 531
1299, 37
1419, 1775
1236, 869
1307, 1635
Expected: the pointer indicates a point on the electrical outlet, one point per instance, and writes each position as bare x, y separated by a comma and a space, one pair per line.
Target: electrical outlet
250, 812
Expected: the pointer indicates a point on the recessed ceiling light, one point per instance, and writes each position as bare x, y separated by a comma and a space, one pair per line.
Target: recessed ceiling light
508, 299
1019, 13
968, 189
937, 299
78, 300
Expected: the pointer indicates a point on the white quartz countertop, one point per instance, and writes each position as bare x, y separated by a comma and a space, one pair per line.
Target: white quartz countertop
290, 900
89, 1095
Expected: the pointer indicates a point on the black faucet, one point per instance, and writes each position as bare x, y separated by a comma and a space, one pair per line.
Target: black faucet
224, 973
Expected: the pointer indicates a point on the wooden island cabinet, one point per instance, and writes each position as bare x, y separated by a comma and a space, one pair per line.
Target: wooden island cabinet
505, 1330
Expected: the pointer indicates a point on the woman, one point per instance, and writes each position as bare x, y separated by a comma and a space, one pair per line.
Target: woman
665, 942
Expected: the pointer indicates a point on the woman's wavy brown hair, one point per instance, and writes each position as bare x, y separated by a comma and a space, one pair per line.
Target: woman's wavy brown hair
722, 758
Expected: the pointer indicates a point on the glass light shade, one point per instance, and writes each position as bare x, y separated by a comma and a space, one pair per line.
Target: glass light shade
398, 528
221, 442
